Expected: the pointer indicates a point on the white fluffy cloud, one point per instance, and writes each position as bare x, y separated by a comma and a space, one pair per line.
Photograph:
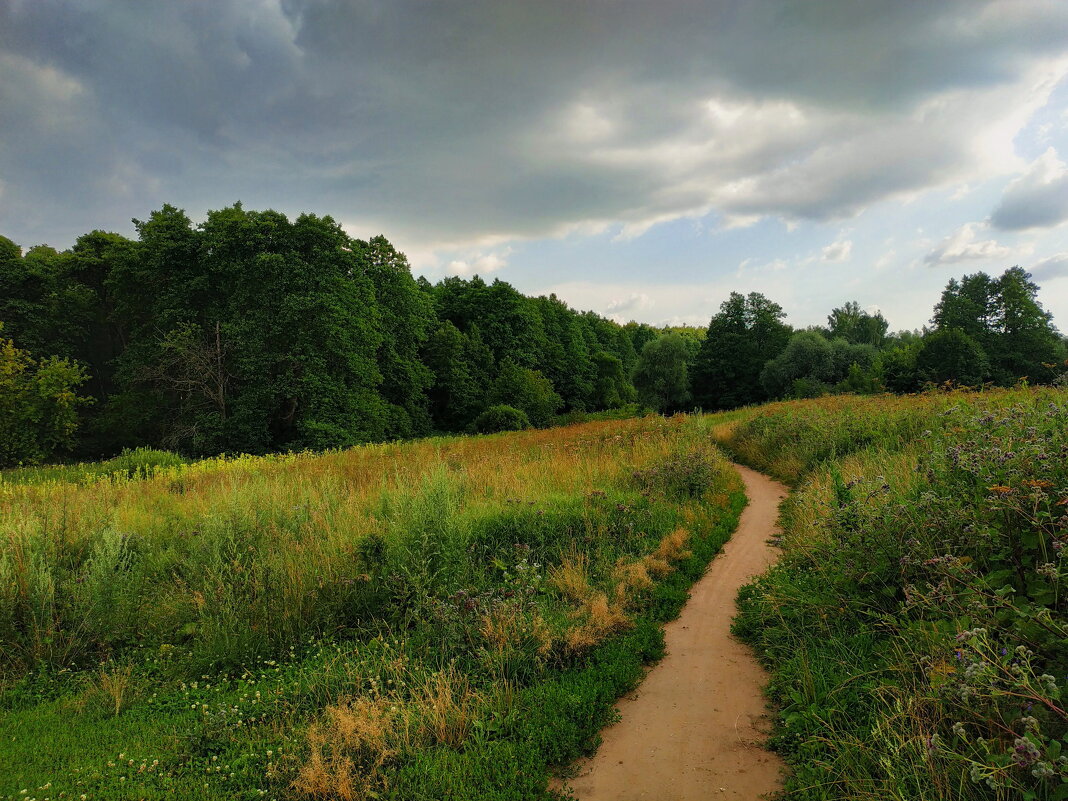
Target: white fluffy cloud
838, 251
478, 264
964, 244
1038, 198
634, 302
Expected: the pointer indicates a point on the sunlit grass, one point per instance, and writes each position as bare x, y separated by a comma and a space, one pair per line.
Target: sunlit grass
259, 623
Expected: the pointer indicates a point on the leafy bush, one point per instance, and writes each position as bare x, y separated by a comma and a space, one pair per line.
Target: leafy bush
684, 475
134, 462
38, 405
501, 418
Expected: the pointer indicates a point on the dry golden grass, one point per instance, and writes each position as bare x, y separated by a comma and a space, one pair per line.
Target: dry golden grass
446, 705
599, 618
672, 546
505, 628
571, 577
631, 579
117, 686
347, 749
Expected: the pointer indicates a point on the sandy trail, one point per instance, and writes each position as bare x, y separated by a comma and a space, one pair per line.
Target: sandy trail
693, 729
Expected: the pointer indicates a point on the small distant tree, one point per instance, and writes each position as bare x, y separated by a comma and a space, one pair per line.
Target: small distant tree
526, 390
856, 326
661, 377
38, 405
611, 387
951, 355
807, 356
501, 418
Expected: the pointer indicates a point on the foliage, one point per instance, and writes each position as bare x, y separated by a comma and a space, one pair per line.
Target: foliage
950, 355
660, 376
747, 332
501, 418
916, 628
1003, 316
807, 356
252, 332
527, 390
856, 326
38, 405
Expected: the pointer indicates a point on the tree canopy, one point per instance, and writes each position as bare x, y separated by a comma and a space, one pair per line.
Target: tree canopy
252, 332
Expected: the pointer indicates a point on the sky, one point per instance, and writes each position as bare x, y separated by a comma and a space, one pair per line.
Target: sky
640, 159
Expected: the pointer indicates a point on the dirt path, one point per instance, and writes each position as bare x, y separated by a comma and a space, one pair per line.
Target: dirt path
693, 729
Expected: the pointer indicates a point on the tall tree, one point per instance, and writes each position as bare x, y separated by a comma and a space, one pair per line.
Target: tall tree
1027, 344
1004, 318
455, 394
661, 376
407, 316
856, 326
566, 359
747, 332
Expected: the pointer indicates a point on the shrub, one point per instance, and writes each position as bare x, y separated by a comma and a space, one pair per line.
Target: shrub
501, 418
38, 405
135, 462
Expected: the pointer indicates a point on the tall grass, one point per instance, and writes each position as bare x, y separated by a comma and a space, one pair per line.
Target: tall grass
916, 629
378, 622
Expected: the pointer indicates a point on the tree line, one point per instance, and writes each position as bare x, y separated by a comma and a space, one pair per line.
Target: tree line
253, 333
984, 331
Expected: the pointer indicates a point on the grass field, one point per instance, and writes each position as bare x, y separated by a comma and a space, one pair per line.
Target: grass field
454, 618
916, 628
446, 619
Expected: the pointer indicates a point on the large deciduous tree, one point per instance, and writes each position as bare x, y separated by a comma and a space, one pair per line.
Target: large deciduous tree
661, 376
747, 332
407, 317
1004, 318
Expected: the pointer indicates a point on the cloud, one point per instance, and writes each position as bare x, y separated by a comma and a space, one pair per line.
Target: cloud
636, 301
838, 251
1038, 198
1055, 266
478, 264
964, 245
444, 124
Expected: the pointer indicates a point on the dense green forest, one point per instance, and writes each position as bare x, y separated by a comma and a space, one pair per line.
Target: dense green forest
254, 333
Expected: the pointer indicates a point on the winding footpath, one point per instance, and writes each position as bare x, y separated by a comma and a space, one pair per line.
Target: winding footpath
694, 729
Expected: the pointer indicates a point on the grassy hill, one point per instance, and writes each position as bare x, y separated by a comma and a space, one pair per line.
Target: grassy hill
440, 619
916, 629
454, 618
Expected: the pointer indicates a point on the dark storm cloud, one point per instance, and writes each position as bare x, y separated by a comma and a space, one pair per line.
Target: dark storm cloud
1038, 198
1056, 266
458, 121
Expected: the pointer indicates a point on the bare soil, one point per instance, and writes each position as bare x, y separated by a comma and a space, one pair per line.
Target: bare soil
694, 729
